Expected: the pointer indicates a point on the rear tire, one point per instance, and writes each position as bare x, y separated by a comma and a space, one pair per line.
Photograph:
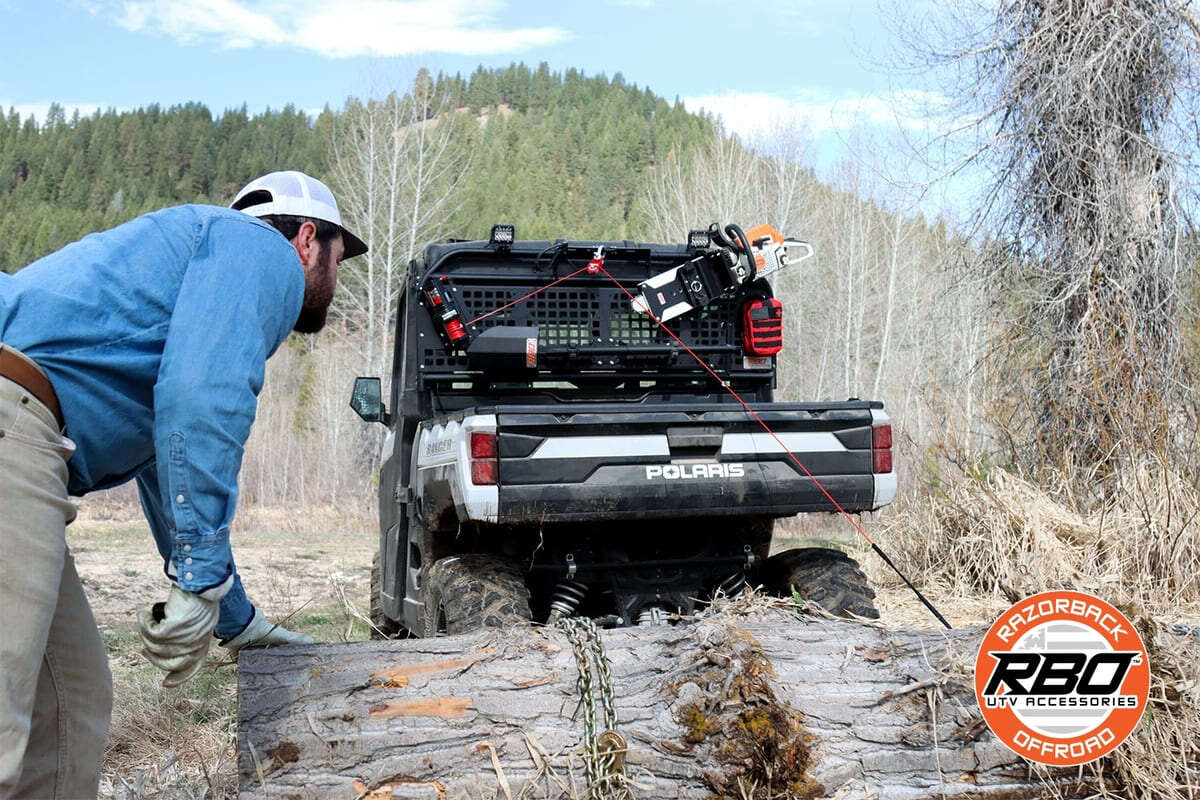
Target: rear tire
382, 626
829, 578
472, 591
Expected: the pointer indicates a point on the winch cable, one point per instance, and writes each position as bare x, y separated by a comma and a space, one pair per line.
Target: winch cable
736, 233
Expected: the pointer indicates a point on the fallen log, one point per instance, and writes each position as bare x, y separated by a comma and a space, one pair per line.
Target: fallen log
761, 706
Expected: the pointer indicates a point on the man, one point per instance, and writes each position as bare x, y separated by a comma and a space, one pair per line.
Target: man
146, 345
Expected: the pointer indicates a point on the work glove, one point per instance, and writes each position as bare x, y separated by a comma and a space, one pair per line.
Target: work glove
176, 634
261, 632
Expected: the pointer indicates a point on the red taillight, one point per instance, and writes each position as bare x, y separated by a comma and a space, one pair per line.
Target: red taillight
485, 473
881, 437
483, 445
881, 447
762, 326
485, 466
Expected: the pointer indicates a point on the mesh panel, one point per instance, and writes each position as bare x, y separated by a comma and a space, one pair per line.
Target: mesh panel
574, 318
286, 184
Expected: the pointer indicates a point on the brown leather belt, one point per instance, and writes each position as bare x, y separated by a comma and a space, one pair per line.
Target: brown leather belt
23, 372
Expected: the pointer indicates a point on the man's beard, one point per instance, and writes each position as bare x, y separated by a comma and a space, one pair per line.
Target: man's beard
318, 293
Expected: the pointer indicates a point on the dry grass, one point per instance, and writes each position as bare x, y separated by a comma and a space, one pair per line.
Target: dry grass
1162, 757
171, 744
182, 743
997, 535
989, 540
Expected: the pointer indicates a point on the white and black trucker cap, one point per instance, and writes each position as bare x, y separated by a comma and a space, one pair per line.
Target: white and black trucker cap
297, 194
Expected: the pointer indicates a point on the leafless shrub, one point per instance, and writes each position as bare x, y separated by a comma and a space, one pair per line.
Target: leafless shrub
303, 449
1083, 113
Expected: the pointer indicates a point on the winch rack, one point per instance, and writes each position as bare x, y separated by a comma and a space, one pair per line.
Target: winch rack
587, 327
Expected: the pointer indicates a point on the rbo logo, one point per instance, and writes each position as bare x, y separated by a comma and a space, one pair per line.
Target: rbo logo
1062, 678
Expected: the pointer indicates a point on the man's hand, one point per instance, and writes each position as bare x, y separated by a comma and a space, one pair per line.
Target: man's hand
176, 634
260, 632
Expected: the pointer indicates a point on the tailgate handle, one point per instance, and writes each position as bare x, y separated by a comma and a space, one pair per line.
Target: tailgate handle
703, 438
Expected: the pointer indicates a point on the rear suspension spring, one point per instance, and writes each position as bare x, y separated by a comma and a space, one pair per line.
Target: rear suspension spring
733, 585
566, 598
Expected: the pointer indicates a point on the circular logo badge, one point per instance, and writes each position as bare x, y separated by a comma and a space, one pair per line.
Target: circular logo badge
1062, 678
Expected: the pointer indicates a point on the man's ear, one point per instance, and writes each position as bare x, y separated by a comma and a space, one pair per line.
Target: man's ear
305, 242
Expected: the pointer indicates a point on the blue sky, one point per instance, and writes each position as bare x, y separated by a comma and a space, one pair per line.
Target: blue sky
810, 58
752, 62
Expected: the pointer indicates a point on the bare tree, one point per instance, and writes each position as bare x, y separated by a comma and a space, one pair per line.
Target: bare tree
721, 180
877, 312
1081, 109
399, 162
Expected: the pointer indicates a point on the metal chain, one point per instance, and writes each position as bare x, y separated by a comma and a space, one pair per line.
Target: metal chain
604, 755
601, 660
583, 683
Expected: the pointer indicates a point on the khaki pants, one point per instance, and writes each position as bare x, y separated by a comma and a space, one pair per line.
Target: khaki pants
55, 686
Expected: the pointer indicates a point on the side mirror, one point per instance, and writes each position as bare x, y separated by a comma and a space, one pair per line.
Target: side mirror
367, 400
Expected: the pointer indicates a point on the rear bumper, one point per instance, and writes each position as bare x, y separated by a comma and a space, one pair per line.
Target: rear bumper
685, 490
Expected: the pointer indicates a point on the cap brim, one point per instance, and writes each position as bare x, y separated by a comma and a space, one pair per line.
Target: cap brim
354, 245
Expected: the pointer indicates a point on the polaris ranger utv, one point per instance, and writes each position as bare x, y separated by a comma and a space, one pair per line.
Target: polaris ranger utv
563, 438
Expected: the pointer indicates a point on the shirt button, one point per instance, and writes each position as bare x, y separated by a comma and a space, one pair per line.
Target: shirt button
187, 562
179, 499
187, 548
187, 576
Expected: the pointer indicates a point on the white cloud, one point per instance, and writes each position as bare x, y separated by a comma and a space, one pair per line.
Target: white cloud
342, 28
750, 114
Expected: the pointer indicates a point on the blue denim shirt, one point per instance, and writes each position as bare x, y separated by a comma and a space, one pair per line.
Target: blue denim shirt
155, 335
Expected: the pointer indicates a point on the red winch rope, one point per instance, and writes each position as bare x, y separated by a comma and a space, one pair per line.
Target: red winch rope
526, 297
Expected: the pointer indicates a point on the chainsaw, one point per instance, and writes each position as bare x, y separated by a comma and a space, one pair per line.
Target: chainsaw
730, 260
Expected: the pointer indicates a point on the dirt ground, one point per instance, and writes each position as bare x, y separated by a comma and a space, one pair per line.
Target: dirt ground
310, 567
290, 564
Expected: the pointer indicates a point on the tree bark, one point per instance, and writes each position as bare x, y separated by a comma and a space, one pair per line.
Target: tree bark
760, 706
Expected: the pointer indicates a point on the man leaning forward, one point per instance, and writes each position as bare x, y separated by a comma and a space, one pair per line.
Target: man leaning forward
138, 353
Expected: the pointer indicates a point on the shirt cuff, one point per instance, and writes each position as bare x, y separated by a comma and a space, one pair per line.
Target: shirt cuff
201, 561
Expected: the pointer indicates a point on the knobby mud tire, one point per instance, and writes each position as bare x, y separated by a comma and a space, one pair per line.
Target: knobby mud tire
382, 626
472, 591
829, 578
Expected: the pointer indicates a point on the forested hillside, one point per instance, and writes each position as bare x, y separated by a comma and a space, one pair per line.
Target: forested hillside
553, 153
